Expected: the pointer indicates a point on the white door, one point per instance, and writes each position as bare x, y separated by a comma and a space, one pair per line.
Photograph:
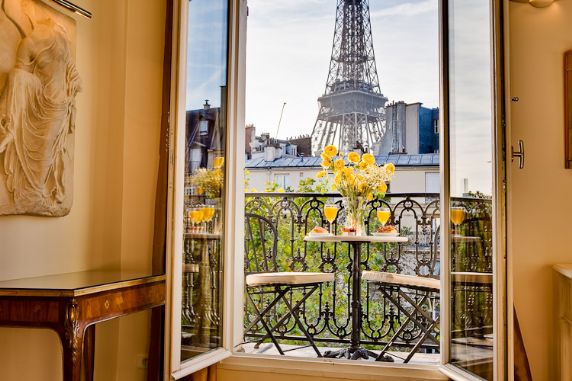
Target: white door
473, 198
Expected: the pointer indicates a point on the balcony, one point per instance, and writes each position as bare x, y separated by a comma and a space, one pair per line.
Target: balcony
327, 313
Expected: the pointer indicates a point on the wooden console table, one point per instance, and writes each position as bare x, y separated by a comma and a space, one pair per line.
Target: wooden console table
71, 304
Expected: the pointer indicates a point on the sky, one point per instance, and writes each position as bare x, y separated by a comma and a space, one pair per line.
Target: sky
289, 48
206, 52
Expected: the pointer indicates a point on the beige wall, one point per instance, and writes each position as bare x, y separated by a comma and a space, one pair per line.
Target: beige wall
541, 193
119, 57
406, 179
244, 369
239, 375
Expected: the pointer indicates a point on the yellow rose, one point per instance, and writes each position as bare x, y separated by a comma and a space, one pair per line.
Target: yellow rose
363, 165
368, 158
280, 190
324, 156
369, 196
326, 163
321, 174
382, 188
338, 179
218, 162
253, 190
339, 164
348, 171
353, 157
390, 169
330, 150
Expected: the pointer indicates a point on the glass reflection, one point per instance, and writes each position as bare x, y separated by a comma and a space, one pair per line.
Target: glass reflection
204, 177
471, 177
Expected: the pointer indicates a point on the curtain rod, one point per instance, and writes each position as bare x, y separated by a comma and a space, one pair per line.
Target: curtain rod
74, 8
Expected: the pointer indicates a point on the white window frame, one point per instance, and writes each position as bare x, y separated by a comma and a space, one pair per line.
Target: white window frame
283, 175
429, 181
233, 306
502, 357
174, 369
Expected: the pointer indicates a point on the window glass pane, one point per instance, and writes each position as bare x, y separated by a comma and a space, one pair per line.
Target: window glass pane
204, 177
471, 176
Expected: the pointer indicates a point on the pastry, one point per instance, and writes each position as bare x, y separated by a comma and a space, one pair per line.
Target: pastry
387, 229
319, 230
348, 230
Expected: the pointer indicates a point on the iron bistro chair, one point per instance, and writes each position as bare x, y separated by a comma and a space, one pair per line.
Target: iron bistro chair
417, 292
410, 294
263, 279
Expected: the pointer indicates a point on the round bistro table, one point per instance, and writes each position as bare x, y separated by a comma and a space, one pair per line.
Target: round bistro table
355, 351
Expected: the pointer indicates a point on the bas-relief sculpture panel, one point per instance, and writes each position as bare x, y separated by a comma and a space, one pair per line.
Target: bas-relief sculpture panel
38, 86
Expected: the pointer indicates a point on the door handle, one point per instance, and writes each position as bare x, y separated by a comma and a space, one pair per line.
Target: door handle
518, 154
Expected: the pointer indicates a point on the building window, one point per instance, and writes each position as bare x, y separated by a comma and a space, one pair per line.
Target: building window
204, 127
432, 182
282, 180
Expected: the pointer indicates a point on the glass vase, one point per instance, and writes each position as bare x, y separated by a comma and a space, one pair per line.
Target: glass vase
355, 214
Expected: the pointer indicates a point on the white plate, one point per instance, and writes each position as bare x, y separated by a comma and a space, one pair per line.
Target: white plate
386, 234
312, 234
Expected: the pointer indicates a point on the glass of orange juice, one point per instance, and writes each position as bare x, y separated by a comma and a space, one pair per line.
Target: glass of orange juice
383, 215
196, 216
458, 215
331, 212
208, 214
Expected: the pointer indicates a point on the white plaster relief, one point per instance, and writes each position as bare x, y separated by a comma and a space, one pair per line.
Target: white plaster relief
38, 86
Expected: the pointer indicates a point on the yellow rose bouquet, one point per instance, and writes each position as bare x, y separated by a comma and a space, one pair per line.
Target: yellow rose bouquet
210, 181
357, 178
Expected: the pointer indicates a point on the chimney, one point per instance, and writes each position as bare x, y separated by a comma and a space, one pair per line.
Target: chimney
269, 153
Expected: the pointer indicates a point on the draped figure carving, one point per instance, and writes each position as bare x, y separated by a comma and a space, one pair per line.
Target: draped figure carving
37, 114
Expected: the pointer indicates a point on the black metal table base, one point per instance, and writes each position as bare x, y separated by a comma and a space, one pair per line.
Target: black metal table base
355, 351
356, 354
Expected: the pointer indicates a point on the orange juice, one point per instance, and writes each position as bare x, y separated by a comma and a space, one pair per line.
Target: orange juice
457, 215
208, 213
383, 215
330, 212
196, 215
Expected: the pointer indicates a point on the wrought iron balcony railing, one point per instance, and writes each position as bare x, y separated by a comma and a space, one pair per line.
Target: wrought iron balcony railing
326, 314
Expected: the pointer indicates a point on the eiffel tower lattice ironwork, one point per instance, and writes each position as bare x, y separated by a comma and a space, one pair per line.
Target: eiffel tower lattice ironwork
352, 112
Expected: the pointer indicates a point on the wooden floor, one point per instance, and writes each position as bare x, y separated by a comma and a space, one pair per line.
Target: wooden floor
307, 352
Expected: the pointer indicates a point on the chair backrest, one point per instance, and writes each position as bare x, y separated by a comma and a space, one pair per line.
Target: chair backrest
260, 244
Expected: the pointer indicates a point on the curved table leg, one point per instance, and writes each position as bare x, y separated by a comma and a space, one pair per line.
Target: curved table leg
89, 352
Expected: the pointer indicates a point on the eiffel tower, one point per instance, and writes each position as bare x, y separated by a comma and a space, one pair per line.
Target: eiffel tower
352, 113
